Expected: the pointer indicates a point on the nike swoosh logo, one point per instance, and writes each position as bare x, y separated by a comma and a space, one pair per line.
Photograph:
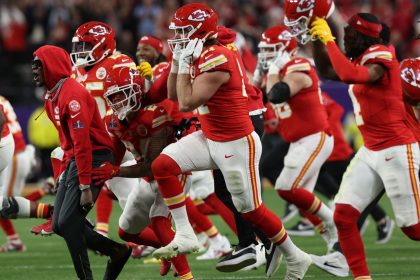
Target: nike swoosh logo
228, 156
331, 265
388, 159
268, 251
207, 57
373, 48
124, 60
234, 253
75, 115
298, 60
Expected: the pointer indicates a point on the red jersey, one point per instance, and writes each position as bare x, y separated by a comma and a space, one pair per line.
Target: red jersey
148, 120
93, 79
6, 130
303, 114
342, 150
73, 112
13, 124
378, 107
225, 115
255, 98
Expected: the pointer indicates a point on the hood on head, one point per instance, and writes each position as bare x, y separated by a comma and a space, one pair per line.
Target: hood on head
55, 64
225, 35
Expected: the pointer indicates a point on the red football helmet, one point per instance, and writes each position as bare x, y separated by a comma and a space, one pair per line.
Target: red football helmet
192, 21
275, 39
92, 42
299, 14
123, 90
410, 79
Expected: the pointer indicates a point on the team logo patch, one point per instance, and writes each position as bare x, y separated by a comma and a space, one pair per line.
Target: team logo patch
78, 125
198, 15
305, 5
101, 73
98, 30
285, 35
141, 130
74, 106
408, 75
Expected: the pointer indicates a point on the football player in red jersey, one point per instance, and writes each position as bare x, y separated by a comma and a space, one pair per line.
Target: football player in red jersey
93, 57
144, 132
208, 77
389, 158
7, 147
293, 88
150, 49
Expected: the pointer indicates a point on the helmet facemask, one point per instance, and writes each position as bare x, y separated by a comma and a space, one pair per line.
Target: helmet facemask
268, 53
82, 54
123, 99
299, 29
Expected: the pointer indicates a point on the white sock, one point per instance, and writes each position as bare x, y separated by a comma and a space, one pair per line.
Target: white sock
325, 214
24, 207
288, 249
181, 219
217, 238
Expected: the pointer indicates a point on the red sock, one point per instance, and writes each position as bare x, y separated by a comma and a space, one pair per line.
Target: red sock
163, 228
146, 237
302, 198
222, 210
413, 232
204, 208
103, 211
317, 222
268, 223
345, 218
7, 227
166, 171
42, 211
199, 219
35, 195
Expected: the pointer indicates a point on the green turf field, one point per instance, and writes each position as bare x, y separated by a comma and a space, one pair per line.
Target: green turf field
47, 257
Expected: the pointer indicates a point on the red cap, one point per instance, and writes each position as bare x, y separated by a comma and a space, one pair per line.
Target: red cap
368, 28
152, 41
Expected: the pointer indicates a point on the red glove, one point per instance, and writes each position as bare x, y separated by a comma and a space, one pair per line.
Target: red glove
105, 172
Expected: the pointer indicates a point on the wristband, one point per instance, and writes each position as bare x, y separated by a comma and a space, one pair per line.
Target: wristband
174, 67
184, 68
84, 187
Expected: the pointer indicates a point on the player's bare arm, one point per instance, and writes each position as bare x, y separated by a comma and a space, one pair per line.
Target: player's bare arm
192, 95
172, 86
152, 147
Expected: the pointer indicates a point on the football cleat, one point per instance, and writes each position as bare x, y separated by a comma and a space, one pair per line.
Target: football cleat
218, 248
385, 231
12, 246
301, 229
297, 268
44, 229
261, 260
183, 243
273, 257
165, 266
239, 258
140, 251
334, 263
114, 267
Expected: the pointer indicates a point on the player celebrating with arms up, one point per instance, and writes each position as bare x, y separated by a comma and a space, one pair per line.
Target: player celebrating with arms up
390, 157
208, 77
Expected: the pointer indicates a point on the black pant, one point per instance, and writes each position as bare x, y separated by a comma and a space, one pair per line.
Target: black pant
246, 232
69, 219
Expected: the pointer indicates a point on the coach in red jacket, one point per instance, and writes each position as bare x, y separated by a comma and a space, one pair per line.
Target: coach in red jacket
86, 145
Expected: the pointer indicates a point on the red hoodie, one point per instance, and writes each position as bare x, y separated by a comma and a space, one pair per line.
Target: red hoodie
73, 111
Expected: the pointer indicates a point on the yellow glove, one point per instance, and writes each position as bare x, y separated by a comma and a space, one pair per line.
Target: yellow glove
145, 70
320, 30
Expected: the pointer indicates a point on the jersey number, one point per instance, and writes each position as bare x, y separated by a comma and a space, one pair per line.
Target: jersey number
282, 110
356, 107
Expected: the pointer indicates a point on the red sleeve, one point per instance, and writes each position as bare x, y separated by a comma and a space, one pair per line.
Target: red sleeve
159, 90
296, 65
155, 118
345, 69
78, 119
216, 59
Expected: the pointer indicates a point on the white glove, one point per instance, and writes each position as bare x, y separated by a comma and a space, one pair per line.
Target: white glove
176, 53
258, 77
190, 54
282, 58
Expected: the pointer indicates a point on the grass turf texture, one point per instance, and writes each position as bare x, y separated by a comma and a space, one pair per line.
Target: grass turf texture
47, 257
